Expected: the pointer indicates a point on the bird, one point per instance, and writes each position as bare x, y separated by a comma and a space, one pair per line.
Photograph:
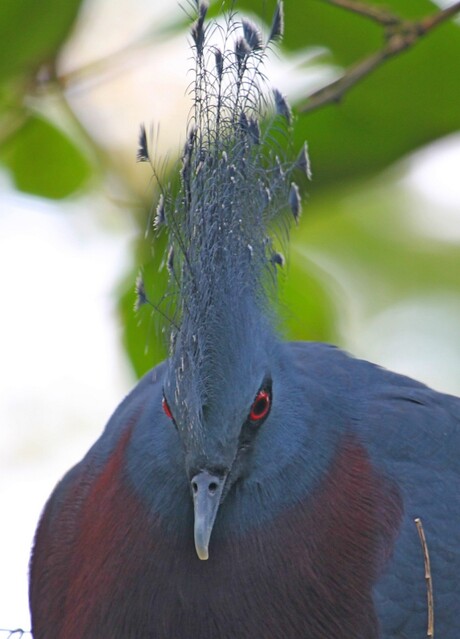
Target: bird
248, 486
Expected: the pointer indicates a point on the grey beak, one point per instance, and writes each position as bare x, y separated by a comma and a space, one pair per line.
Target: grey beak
207, 491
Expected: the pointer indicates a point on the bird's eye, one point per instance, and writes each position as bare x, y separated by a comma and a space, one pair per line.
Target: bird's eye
166, 408
260, 407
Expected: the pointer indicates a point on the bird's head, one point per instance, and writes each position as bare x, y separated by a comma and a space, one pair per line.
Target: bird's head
235, 186
218, 394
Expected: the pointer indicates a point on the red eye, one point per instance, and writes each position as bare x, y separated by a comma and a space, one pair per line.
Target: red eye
260, 407
166, 408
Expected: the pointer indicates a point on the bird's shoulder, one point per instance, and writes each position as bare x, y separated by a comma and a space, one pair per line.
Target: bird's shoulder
412, 435
136, 406
380, 401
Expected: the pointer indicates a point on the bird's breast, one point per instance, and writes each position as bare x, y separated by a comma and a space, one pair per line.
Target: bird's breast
287, 578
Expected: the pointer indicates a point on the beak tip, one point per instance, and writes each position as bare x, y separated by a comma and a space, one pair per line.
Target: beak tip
202, 551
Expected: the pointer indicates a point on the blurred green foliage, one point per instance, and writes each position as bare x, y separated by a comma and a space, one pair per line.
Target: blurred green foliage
406, 103
31, 34
43, 160
401, 106
40, 157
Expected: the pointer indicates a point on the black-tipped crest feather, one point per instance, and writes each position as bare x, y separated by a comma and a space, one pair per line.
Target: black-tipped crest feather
303, 161
277, 28
252, 34
142, 149
294, 201
197, 29
282, 107
141, 297
160, 217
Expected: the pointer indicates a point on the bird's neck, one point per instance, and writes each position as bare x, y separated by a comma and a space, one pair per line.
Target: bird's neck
226, 324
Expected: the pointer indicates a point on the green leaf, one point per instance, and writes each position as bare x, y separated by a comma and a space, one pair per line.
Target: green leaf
365, 251
407, 102
144, 336
31, 32
43, 161
307, 306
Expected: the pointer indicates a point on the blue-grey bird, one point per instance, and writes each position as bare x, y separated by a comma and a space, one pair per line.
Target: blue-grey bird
249, 487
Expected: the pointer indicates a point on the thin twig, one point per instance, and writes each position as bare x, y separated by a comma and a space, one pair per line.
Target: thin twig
429, 581
399, 36
98, 68
382, 16
432, 21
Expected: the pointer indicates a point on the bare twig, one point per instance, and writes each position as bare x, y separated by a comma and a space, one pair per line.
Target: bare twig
399, 35
380, 15
432, 21
429, 581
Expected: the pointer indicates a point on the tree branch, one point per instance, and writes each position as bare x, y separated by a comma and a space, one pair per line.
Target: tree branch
380, 15
399, 35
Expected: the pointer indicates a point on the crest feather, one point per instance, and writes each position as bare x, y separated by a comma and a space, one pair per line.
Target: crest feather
235, 184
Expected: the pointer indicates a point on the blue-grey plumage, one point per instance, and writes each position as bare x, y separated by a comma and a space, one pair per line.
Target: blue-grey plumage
235, 184
295, 470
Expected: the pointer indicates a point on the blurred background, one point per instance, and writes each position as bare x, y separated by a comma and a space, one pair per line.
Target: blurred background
373, 267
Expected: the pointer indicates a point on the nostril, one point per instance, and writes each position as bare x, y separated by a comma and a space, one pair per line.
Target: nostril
206, 485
